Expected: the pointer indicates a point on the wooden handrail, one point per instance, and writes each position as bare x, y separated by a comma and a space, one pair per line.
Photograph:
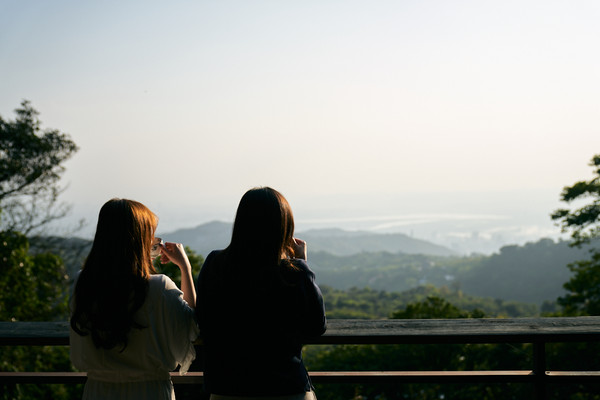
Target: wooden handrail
537, 331
378, 377
391, 331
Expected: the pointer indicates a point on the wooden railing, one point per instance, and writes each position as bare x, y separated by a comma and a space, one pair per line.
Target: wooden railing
537, 331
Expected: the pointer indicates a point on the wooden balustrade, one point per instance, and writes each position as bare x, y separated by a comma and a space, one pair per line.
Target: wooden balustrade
537, 331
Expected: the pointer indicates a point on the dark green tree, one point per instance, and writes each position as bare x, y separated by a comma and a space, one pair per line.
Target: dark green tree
31, 165
435, 307
34, 288
34, 283
583, 222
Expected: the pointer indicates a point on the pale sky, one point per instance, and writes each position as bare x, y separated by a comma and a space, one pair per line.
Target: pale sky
340, 105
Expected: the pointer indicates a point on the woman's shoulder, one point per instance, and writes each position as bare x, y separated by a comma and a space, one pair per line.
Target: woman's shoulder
299, 271
211, 259
213, 254
301, 265
161, 282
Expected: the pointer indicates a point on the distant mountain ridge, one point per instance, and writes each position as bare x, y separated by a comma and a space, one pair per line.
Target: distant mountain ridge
343, 243
203, 238
217, 234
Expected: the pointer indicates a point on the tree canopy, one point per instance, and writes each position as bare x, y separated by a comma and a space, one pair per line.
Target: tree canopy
37, 282
31, 165
583, 222
34, 283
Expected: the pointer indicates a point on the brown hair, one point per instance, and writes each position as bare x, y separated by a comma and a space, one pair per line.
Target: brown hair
263, 227
113, 283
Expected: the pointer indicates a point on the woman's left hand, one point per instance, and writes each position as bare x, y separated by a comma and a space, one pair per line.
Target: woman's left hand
175, 253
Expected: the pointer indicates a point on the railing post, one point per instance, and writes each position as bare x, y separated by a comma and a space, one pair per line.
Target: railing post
539, 369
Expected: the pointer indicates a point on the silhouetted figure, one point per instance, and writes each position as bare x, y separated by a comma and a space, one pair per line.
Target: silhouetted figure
257, 304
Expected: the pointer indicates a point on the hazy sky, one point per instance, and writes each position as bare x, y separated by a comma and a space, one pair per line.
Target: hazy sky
341, 105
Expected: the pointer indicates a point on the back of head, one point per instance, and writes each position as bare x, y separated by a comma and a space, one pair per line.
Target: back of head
264, 227
124, 236
113, 283
255, 272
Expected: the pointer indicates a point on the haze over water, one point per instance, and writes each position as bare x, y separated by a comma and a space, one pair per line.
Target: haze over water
482, 225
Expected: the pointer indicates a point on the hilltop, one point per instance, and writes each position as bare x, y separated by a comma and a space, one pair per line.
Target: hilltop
216, 235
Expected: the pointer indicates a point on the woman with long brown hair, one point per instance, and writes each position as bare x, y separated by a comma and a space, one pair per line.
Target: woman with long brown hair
130, 326
257, 304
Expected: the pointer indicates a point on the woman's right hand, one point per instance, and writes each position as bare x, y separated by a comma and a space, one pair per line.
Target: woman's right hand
175, 253
299, 246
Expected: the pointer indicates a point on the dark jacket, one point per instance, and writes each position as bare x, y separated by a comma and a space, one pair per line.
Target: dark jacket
253, 325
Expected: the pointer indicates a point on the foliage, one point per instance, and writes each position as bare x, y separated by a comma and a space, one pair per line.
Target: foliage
72, 251
34, 281
35, 285
531, 273
34, 289
369, 304
30, 169
582, 222
583, 297
43, 358
435, 307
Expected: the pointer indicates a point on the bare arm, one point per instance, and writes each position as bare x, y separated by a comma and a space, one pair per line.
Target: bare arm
175, 253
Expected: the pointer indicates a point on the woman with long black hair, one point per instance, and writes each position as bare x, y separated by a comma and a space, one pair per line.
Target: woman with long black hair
257, 304
130, 326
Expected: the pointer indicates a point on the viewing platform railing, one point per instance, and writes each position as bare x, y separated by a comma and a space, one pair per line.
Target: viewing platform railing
537, 331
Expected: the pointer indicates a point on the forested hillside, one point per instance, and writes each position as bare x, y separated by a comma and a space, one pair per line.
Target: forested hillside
374, 304
532, 273
388, 271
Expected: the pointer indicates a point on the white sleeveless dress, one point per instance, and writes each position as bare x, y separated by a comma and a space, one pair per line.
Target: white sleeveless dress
141, 371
